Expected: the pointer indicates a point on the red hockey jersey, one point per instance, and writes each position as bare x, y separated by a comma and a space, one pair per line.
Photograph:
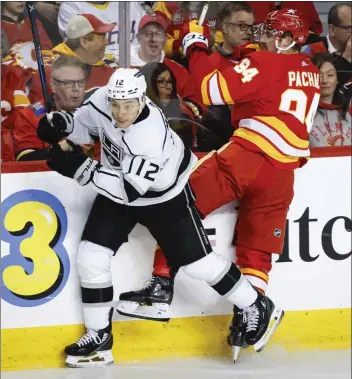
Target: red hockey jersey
13, 92
274, 97
19, 32
25, 130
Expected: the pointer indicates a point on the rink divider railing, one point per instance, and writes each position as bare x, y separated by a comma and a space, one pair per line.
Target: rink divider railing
311, 280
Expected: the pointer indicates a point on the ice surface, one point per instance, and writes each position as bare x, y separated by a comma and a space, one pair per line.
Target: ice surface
275, 364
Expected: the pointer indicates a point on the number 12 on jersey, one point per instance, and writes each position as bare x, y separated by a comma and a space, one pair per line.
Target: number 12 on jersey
140, 167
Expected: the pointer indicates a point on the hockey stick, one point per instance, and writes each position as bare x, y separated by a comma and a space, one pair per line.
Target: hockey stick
203, 13
38, 53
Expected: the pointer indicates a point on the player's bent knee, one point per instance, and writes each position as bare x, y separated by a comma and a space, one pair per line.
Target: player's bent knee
93, 262
208, 268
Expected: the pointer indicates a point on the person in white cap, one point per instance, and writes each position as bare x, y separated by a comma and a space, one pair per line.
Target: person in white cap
142, 178
87, 40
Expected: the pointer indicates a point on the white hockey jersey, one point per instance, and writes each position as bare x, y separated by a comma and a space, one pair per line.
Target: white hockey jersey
144, 164
106, 12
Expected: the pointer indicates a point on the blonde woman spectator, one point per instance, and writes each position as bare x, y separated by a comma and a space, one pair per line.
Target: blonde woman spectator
107, 12
332, 123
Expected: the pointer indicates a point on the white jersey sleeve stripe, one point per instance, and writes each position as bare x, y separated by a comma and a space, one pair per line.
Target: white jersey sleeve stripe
214, 91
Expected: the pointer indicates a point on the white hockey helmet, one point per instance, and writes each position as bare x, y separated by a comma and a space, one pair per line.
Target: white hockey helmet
127, 83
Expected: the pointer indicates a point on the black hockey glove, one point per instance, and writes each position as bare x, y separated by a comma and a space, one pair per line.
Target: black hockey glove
59, 127
73, 164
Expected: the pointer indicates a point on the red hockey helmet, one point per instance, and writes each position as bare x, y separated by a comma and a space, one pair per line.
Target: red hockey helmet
287, 20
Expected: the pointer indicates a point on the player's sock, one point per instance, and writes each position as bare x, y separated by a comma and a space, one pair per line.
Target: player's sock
160, 266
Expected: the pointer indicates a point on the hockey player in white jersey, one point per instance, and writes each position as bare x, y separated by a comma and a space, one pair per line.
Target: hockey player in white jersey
142, 178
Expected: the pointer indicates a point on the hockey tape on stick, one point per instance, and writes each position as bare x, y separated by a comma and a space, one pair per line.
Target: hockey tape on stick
203, 14
38, 53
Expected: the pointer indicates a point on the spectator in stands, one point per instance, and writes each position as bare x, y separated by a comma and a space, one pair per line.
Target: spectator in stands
17, 29
332, 123
152, 37
162, 90
87, 41
338, 41
107, 12
306, 8
68, 81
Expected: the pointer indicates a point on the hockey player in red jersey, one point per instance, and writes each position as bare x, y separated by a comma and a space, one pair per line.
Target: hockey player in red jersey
274, 98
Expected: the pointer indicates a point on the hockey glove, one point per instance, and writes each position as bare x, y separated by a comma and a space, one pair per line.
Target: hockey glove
59, 127
72, 164
194, 36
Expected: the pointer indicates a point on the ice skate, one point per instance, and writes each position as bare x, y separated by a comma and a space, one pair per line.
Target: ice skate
263, 318
93, 349
236, 338
150, 303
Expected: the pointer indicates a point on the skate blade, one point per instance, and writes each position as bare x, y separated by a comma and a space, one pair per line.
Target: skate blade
99, 358
275, 320
154, 312
235, 352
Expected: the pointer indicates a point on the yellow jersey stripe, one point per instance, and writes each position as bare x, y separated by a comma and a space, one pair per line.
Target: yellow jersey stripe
249, 271
225, 90
264, 145
282, 129
204, 88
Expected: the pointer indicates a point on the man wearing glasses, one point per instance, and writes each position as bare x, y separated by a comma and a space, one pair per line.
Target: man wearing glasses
86, 40
338, 41
68, 82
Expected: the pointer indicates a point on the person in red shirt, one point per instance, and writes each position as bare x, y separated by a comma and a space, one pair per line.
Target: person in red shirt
17, 26
17, 29
86, 41
68, 82
274, 98
13, 99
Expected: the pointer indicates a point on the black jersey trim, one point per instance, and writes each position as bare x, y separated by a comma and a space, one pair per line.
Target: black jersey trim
144, 115
103, 189
98, 110
183, 167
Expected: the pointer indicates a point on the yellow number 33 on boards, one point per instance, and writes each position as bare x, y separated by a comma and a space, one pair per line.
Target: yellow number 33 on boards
34, 225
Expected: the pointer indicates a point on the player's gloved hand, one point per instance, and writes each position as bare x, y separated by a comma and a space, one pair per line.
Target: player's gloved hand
59, 126
194, 36
73, 164
240, 51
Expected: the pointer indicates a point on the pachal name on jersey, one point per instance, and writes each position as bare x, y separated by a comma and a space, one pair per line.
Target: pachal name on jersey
303, 79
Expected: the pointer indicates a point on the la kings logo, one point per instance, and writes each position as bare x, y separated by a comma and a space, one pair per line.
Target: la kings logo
113, 152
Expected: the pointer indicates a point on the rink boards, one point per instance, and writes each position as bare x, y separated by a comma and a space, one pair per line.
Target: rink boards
40, 289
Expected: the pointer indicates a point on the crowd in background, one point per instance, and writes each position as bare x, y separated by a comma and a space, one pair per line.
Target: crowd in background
80, 48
